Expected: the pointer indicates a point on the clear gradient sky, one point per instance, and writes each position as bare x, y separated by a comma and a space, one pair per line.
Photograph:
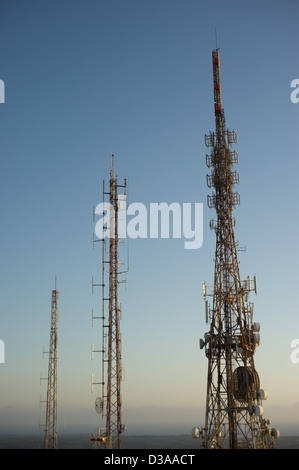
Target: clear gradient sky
82, 79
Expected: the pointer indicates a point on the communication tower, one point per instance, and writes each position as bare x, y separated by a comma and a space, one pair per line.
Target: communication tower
109, 405
51, 436
234, 411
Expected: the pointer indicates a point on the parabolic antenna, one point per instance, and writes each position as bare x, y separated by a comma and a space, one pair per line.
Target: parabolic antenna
99, 403
245, 381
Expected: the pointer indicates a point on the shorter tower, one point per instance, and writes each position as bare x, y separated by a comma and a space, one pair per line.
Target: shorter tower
51, 436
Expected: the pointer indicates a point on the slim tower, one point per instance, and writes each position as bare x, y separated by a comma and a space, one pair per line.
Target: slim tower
51, 436
110, 404
234, 412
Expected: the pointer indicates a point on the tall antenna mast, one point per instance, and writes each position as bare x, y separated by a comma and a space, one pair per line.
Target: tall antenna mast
110, 404
234, 412
51, 436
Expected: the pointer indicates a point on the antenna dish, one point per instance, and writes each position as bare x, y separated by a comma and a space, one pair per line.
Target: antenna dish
99, 404
256, 327
262, 394
275, 433
245, 381
195, 433
258, 410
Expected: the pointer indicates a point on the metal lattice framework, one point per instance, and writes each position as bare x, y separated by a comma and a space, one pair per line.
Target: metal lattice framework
110, 404
51, 436
234, 412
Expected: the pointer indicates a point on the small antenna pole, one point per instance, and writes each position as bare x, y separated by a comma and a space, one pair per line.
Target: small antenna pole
51, 436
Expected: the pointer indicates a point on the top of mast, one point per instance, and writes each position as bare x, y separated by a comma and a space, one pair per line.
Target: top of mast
217, 83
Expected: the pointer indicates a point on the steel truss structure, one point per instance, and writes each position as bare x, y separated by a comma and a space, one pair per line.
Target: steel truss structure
234, 412
51, 436
110, 404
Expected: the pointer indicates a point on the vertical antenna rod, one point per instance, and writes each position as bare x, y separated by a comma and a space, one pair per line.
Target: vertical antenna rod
51, 436
234, 412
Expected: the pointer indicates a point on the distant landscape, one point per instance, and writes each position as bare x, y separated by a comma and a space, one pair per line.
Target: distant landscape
82, 441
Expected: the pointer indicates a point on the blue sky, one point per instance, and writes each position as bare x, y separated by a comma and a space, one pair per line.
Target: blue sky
83, 79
